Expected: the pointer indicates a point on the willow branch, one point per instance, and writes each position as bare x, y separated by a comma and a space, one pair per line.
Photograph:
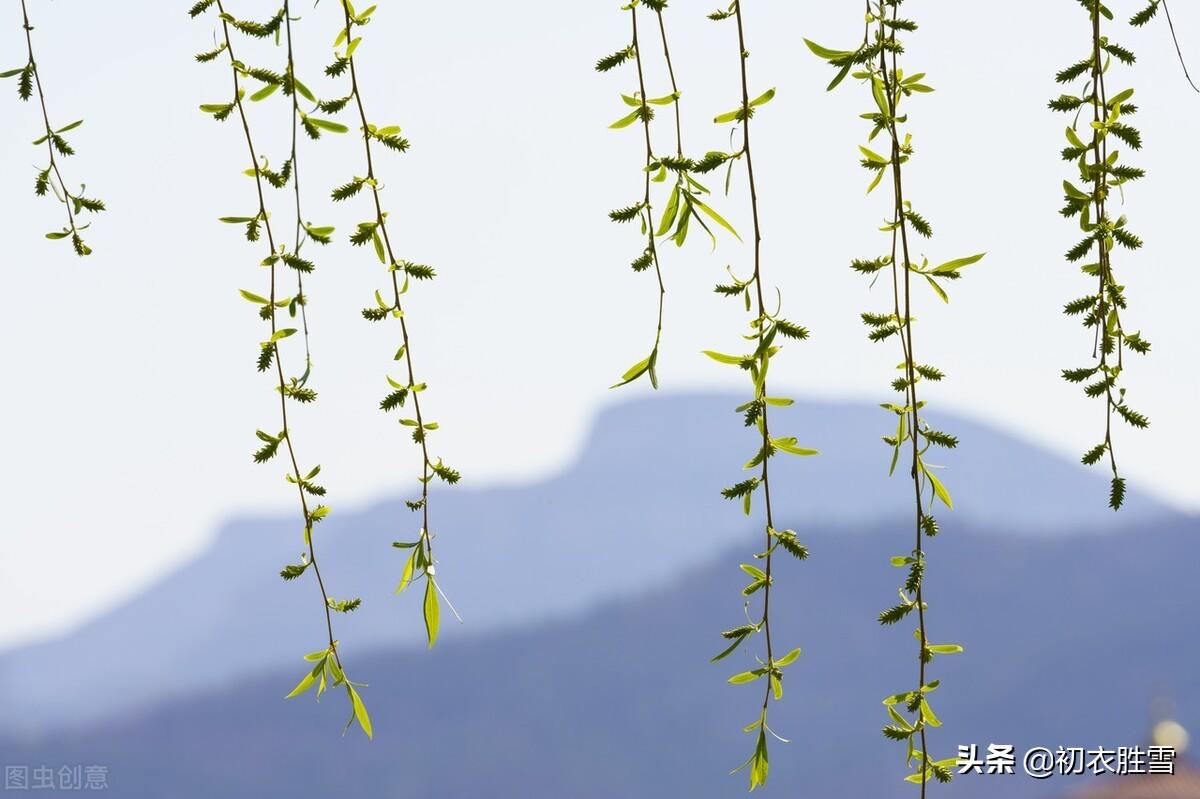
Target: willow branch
30, 78
282, 386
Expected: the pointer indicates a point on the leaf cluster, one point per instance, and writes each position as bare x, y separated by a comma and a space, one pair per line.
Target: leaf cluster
1099, 125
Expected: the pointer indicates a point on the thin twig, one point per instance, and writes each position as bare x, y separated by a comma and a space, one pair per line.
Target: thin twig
762, 314
282, 382
67, 197
381, 222
1178, 49
295, 160
902, 296
650, 229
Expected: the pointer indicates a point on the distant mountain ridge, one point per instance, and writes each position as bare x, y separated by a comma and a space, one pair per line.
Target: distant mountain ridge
639, 506
1069, 640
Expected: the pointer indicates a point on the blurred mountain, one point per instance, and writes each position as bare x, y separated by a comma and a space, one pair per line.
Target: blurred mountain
638, 507
1069, 640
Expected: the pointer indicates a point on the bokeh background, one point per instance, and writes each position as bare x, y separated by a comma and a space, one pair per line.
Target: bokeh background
587, 547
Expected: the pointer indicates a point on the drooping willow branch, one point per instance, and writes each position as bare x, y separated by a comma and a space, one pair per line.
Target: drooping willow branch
327, 669
50, 179
421, 562
1100, 172
684, 202
876, 63
302, 232
766, 328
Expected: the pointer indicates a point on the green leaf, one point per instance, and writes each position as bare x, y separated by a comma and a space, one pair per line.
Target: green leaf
377, 241
431, 611
929, 716
728, 116
669, 212
304, 90
735, 360
714, 216
937, 287
758, 764
877, 93
635, 371
763, 98
325, 124
407, 573
1120, 98
307, 681
789, 658
938, 489
264, 92
729, 649
875, 183
360, 711
873, 156
626, 121
958, 263
753, 571
841, 76
788, 445
746, 676
896, 717
254, 298
825, 52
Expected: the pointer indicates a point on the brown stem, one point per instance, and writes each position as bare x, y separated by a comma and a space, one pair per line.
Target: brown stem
37, 79
278, 355
295, 159
902, 296
1100, 152
762, 315
650, 243
662, 29
381, 222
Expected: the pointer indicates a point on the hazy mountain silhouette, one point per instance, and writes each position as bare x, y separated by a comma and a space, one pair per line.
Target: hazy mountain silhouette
637, 509
1069, 639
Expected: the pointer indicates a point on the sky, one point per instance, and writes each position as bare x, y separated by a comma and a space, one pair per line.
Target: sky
131, 397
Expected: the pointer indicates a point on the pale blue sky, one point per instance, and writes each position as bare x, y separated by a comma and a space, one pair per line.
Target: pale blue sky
131, 395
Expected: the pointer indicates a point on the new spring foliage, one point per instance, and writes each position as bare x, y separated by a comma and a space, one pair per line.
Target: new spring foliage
687, 200
327, 670
403, 391
887, 152
49, 179
1099, 125
767, 332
